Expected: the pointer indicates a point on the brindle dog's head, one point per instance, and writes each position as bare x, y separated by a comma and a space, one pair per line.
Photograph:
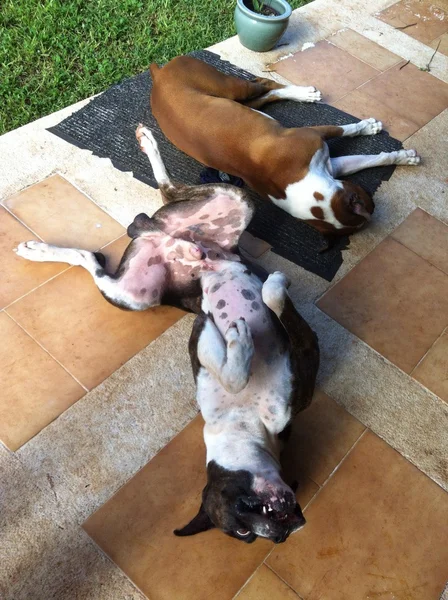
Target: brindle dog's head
245, 507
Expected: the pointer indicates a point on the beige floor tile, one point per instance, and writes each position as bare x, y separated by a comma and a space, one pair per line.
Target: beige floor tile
426, 236
135, 529
35, 389
19, 276
363, 106
393, 300
425, 19
442, 47
361, 47
415, 95
253, 245
60, 214
332, 70
266, 585
433, 370
322, 435
376, 530
89, 336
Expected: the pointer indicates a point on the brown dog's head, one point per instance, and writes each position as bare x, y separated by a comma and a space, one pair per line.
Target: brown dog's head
245, 507
352, 207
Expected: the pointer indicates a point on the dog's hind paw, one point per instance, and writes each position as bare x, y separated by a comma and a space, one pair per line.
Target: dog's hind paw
408, 157
370, 126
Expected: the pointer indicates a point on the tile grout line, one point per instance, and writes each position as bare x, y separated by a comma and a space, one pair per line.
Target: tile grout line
107, 557
416, 253
333, 284
368, 80
58, 274
75, 185
49, 353
326, 481
340, 463
357, 57
284, 581
248, 580
36, 288
390, 363
20, 220
426, 354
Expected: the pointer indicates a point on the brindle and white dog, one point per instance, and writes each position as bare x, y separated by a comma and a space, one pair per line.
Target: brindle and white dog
254, 358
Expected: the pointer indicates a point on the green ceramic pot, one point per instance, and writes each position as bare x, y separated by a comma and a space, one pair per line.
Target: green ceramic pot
259, 32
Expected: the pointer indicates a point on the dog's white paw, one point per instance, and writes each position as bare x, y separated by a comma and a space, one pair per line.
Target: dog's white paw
311, 94
274, 291
239, 334
36, 251
408, 157
370, 126
146, 139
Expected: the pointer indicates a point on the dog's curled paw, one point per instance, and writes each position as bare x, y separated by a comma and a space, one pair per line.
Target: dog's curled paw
239, 332
146, 138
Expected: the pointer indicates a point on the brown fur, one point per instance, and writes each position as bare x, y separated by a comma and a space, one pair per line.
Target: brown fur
226, 135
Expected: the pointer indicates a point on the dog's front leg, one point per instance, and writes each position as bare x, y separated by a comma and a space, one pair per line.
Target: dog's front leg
228, 361
346, 165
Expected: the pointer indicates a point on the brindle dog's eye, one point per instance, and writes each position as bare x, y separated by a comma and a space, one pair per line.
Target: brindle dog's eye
243, 532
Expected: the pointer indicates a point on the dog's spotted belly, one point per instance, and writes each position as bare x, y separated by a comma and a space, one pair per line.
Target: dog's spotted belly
266, 397
235, 293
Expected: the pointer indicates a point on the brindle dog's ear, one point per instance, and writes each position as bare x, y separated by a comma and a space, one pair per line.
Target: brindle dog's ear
141, 224
201, 522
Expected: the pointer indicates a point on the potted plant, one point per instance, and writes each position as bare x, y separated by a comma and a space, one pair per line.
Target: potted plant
261, 23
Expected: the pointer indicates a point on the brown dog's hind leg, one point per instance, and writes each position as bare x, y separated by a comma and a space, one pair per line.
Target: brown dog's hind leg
365, 127
273, 92
208, 80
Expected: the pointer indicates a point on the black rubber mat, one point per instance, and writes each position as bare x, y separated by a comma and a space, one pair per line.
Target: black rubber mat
106, 126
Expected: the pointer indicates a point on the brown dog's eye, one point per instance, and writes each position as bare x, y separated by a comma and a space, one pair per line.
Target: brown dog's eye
243, 532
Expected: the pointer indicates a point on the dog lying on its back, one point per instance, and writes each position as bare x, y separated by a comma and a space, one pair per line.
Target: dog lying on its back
215, 119
254, 358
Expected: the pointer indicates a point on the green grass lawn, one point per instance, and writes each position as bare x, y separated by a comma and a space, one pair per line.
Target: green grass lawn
56, 52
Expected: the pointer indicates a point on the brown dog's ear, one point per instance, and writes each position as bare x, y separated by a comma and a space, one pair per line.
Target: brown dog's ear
201, 522
357, 207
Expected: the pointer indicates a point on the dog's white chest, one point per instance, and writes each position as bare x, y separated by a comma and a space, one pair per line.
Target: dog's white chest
310, 198
265, 398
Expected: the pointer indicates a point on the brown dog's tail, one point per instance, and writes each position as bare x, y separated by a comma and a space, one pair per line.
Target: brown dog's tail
154, 69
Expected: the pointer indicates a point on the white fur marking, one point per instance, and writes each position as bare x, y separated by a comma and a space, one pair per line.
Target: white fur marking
365, 127
297, 93
300, 195
150, 147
